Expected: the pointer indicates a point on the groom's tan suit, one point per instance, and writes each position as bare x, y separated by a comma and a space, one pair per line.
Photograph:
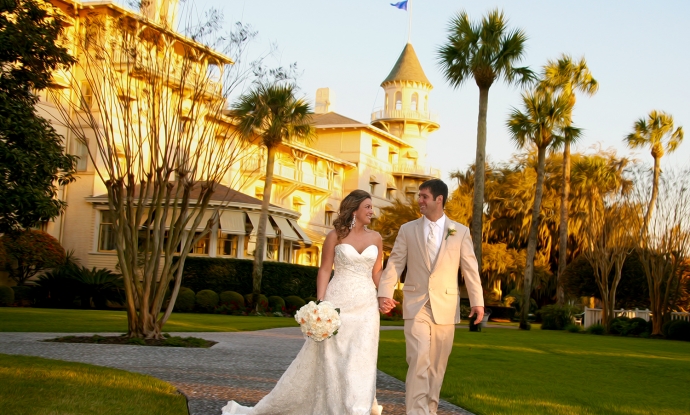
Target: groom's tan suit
431, 305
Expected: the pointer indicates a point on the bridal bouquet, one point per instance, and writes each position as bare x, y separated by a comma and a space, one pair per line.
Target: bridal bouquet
318, 320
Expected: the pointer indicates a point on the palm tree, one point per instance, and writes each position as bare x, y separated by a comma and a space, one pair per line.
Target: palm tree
565, 76
486, 52
657, 133
275, 115
542, 124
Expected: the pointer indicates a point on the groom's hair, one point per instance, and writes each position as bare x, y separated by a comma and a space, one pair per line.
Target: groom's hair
437, 188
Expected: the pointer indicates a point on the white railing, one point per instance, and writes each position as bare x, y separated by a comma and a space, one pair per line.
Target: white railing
411, 168
594, 315
680, 316
287, 172
405, 115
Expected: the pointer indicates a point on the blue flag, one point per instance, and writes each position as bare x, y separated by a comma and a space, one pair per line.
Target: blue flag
402, 5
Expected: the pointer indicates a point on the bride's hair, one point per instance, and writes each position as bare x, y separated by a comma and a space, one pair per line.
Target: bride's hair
347, 207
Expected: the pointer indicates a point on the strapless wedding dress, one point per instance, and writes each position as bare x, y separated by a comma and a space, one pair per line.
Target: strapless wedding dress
336, 376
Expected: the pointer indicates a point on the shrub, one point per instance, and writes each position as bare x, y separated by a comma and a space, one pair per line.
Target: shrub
185, 300
23, 295
573, 328
263, 302
136, 341
556, 317
637, 327
679, 330
206, 300
628, 327
502, 313
276, 304
620, 325
231, 274
97, 287
30, 252
6, 296
308, 299
597, 329
232, 299
293, 303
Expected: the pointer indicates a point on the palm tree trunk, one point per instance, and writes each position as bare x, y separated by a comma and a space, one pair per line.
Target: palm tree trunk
655, 192
257, 272
479, 176
563, 228
532, 240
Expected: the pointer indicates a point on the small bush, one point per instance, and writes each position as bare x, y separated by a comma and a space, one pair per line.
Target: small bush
597, 329
185, 300
136, 341
177, 341
638, 326
263, 303
308, 299
573, 328
23, 295
628, 327
276, 304
679, 330
293, 303
6, 296
206, 301
556, 317
232, 299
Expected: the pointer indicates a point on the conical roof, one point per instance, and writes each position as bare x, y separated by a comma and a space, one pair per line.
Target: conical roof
407, 68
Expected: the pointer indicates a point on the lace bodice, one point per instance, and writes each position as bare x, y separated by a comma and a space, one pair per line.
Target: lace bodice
349, 262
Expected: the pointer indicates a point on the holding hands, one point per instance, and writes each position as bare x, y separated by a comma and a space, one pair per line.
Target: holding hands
387, 304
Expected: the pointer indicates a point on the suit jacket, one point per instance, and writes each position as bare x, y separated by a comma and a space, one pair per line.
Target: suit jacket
439, 282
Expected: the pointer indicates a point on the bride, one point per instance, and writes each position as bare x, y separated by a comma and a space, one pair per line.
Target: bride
337, 376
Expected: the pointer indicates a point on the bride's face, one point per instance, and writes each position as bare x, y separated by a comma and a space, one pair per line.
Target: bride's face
364, 212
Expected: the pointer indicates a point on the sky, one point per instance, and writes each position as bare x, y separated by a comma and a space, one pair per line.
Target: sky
639, 52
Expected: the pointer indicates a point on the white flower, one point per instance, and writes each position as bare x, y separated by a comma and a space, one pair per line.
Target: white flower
451, 230
318, 321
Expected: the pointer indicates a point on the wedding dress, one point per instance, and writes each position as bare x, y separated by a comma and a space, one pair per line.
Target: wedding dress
338, 375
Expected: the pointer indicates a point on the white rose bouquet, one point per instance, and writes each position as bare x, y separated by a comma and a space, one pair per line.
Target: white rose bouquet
318, 320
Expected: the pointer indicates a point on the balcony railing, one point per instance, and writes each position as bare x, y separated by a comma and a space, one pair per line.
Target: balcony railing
287, 172
412, 168
405, 115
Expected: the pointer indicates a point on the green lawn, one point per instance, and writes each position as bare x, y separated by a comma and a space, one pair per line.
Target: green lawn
503, 371
93, 321
32, 385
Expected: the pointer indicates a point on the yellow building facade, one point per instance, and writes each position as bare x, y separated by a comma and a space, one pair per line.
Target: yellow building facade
386, 157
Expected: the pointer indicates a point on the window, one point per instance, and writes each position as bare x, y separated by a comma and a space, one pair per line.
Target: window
272, 247
398, 100
375, 151
80, 150
228, 244
328, 218
391, 157
413, 103
309, 257
249, 246
386, 103
372, 188
201, 246
86, 101
287, 251
106, 233
390, 194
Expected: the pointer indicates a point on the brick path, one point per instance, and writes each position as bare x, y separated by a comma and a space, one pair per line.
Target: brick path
242, 366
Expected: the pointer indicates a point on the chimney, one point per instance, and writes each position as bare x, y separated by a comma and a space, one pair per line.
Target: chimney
163, 12
324, 101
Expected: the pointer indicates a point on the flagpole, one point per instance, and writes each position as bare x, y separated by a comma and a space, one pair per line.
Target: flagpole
409, 20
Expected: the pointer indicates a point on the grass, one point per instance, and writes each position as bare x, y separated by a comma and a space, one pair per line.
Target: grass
33, 385
20, 319
501, 371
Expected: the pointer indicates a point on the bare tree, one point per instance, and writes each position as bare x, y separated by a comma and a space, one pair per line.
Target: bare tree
150, 104
664, 239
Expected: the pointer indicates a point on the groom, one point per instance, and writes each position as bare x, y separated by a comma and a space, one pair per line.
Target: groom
436, 251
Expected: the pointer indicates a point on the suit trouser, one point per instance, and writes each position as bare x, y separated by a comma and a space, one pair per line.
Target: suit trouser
428, 346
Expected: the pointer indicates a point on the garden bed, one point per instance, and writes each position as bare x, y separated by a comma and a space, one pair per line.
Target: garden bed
168, 341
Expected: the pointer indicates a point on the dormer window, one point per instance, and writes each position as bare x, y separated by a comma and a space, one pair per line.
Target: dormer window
398, 100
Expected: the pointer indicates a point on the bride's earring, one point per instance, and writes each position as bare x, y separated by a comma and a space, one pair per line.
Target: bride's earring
354, 219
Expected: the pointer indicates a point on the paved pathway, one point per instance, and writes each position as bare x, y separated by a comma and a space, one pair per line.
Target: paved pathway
242, 366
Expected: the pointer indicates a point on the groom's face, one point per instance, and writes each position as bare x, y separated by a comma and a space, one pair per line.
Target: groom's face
429, 206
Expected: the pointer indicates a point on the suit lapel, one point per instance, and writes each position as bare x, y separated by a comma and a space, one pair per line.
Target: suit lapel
419, 231
442, 249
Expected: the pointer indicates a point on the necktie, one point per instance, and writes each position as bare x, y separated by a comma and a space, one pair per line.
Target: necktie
431, 245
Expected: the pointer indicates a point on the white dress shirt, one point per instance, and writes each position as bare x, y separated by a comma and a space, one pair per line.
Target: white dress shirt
440, 223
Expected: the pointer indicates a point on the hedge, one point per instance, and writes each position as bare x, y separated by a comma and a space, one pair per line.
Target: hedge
6, 296
230, 274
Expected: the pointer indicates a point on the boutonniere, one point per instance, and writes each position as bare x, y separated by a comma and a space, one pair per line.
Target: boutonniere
451, 230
